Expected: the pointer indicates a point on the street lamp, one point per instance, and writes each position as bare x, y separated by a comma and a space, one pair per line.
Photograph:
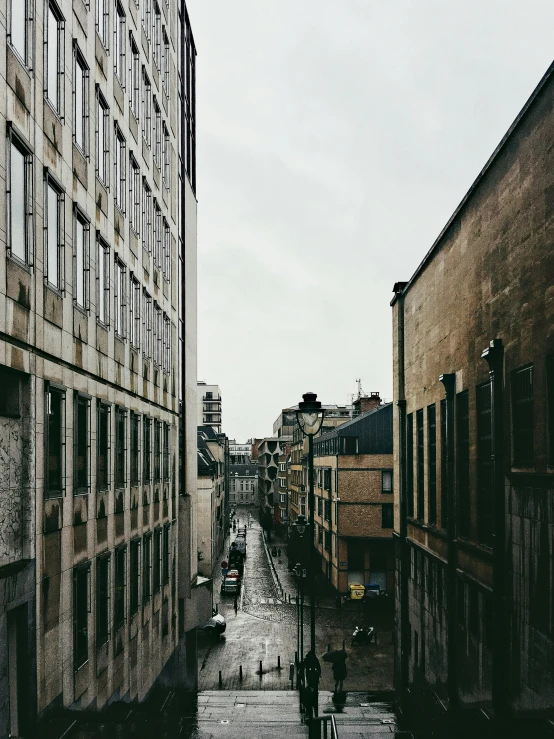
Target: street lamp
309, 418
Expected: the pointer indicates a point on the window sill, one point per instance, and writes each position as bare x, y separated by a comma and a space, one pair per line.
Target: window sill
80, 309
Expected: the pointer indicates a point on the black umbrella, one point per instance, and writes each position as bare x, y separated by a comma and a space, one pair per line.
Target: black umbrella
335, 655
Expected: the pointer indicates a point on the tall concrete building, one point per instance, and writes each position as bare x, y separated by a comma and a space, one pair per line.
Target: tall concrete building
473, 333
97, 236
209, 406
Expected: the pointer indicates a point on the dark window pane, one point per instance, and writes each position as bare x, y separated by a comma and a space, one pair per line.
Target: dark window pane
156, 568
420, 466
54, 439
80, 615
119, 448
146, 453
444, 467
484, 464
135, 426
146, 569
119, 588
410, 463
102, 600
81, 444
387, 515
102, 450
432, 462
522, 417
462, 461
550, 391
134, 575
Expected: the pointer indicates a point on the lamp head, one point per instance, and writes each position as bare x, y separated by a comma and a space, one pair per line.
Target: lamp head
309, 415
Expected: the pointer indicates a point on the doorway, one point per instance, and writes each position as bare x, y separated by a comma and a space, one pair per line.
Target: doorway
18, 667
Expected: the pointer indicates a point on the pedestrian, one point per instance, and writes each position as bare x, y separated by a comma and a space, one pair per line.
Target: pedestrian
339, 673
338, 602
236, 605
278, 552
312, 672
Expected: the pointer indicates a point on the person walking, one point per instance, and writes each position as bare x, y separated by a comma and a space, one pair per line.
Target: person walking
312, 673
236, 605
339, 674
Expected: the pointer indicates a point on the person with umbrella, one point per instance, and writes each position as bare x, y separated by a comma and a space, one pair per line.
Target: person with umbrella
337, 658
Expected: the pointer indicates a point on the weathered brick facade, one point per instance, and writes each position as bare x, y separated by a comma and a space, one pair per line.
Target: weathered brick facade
473, 459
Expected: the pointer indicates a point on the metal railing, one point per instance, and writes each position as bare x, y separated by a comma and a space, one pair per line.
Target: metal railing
319, 727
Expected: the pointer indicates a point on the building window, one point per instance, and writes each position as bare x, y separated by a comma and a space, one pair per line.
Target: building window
120, 447
20, 199
80, 259
157, 135
134, 195
81, 445
146, 568
134, 92
157, 451
167, 345
134, 304
444, 467
102, 446
190, 107
166, 251
432, 463
165, 63
53, 233
157, 235
55, 443
146, 325
102, 139
119, 168
10, 393
158, 334
157, 37
103, 21
157, 563
165, 157
81, 609
19, 35
166, 544
166, 452
102, 281
146, 108
523, 431
119, 44
319, 506
327, 509
410, 463
53, 56
386, 481
146, 17
146, 451
119, 589
387, 515
135, 435
120, 299
462, 462
146, 217
80, 100
134, 566
420, 466
102, 600
327, 541
484, 464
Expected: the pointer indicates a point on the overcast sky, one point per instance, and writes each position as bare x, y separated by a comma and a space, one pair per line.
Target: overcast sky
334, 141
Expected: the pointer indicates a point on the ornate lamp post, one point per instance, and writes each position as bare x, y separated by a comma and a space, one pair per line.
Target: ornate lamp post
309, 418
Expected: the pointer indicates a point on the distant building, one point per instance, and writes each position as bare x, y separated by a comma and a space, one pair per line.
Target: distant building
212, 492
240, 453
473, 347
285, 422
353, 467
269, 452
243, 484
209, 406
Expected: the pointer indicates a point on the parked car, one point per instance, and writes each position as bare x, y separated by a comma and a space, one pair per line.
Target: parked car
214, 626
230, 585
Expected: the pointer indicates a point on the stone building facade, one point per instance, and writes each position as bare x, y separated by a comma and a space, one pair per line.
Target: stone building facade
213, 497
97, 232
354, 501
474, 440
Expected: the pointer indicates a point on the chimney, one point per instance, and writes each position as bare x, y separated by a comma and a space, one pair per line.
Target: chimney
367, 403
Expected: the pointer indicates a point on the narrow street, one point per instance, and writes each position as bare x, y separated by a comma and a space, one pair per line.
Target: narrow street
265, 629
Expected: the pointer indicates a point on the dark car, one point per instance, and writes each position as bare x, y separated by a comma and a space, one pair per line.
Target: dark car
214, 626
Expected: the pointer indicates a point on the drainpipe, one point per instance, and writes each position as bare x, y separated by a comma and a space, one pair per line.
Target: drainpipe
402, 548
449, 383
494, 356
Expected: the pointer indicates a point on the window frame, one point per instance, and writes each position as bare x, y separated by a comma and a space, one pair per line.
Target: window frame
51, 184
166, 159
102, 284
120, 298
52, 8
25, 55
79, 218
147, 324
103, 618
120, 456
120, 43
81, 658
134, 311
157, 124
523, 436
120, 576
79, 60
120, 169
102, 152
103, 409
134, 195
57, 491
15, 141
146, 107
147, 210
134, 77
81, 402
102, 20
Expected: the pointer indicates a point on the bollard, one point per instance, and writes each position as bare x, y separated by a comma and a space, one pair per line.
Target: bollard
220, 680
343, 645
296, 658
260, 669
328, 647
279, 662
240, 673
291, 675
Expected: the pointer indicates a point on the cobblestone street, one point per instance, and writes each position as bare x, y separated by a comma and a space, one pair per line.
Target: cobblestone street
265, 629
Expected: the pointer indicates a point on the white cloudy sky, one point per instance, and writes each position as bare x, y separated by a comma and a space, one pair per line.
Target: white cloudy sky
335, 139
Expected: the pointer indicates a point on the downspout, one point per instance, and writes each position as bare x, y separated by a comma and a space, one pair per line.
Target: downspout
449, 383
403, 550
494, 356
